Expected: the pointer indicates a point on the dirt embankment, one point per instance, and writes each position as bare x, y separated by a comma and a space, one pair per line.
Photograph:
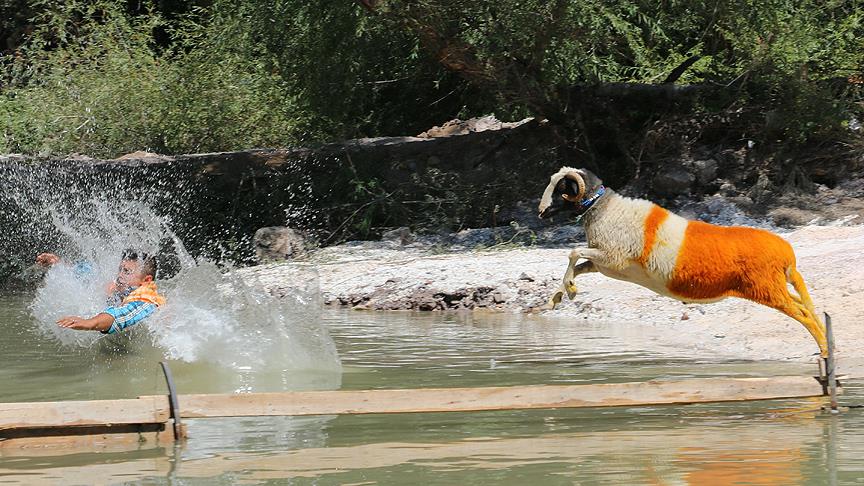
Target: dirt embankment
382, 276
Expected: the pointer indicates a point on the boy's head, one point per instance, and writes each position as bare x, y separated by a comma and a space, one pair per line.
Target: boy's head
136, 268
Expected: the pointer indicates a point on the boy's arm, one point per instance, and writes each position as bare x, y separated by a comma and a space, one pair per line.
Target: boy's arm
113, 319
99, 322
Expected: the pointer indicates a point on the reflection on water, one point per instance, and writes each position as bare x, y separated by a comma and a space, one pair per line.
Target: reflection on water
761, 451
767, 443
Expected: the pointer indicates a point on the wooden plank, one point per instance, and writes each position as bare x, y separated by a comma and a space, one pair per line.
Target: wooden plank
144, 410
75, 415
696, 390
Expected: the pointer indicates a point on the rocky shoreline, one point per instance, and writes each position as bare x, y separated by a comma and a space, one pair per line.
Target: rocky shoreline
505, 275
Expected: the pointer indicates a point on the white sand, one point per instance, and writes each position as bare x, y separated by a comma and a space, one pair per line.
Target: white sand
831, 259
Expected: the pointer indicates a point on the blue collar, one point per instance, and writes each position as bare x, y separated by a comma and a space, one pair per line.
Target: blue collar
587, 203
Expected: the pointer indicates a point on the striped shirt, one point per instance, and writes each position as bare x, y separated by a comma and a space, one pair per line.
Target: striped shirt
128, 315
135, 306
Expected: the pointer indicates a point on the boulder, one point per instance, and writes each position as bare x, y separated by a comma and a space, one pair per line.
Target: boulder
464, 127
706, 171
139, 154
276, 243
401, 236
673, 182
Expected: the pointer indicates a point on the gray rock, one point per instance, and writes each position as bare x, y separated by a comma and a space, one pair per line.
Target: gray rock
401, 236
762, 188
523, 213
791, 217
474, 237
275, 243
727, 189
706, 171
10, 158
463, 127
674, 182
720, 210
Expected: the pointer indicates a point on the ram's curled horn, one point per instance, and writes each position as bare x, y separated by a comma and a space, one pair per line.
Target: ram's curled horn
568, 172
577, 177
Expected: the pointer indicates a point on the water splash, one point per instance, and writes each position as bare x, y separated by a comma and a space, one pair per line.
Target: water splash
212, 316
219, 316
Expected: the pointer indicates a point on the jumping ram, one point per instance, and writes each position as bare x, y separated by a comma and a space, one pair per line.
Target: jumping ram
637, 241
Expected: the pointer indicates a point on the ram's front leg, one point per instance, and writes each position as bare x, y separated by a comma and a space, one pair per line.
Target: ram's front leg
568, 283
603, 259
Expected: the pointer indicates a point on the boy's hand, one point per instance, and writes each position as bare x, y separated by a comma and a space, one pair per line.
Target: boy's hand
47, 259
75, 322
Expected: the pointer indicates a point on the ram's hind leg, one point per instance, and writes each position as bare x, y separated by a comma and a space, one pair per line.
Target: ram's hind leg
806, 307
802, 314
797, 282
773, 291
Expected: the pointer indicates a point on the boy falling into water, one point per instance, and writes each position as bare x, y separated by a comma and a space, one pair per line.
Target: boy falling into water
133, 295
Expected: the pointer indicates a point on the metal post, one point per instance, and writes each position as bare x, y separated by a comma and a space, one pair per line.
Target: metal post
830, 363
172, 401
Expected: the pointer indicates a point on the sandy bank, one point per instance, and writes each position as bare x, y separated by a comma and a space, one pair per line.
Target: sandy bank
377, 277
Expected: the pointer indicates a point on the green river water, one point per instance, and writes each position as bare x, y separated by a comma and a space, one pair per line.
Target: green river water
785, 442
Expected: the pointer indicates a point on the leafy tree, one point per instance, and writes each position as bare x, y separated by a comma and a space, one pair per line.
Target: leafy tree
104, 77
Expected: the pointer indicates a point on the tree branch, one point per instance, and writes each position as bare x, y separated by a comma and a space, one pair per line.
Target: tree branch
678, 71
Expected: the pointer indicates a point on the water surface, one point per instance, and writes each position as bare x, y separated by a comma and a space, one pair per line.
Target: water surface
773, 442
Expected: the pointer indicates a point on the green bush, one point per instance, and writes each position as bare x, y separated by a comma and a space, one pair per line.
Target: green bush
103, 78
107, 91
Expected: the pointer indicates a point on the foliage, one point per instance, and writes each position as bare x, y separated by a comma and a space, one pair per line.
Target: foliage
235, 75
529, 52
104, 77
106, 91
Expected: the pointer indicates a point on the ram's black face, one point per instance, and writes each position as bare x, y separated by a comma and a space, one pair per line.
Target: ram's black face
566, 197
563, 198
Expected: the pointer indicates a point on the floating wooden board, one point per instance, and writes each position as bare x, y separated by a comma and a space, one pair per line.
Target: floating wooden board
18, 420
143, 410
695, 390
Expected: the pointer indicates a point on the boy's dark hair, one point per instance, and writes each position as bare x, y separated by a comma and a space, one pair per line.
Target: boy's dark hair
147, 262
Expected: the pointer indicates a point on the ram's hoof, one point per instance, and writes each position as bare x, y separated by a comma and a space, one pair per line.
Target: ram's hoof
571, 290
553, 301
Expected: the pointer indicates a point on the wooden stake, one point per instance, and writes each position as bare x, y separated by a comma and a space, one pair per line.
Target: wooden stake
830, 365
